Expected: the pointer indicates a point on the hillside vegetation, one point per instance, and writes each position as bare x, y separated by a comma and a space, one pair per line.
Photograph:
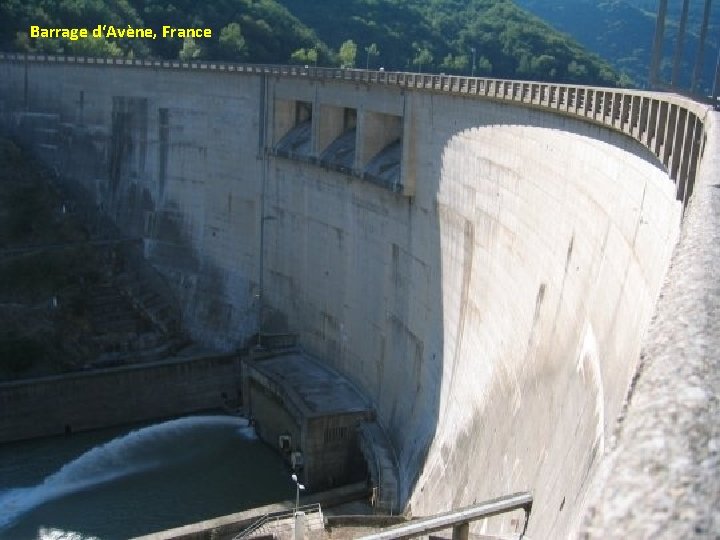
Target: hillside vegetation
622, 31
69, 301
243, 30
440, 35
414, 35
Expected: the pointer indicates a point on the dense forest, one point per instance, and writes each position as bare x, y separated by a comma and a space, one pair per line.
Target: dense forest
622, 31
243, 30
445, 35
485, 37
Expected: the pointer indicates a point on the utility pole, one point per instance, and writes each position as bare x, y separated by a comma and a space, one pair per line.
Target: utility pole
697, 72
472, 71
657, 44
370, 50
716, 85
679, 46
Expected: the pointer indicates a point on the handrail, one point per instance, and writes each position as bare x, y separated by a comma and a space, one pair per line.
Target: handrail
424, 526
671, 126
282, 514
490, 87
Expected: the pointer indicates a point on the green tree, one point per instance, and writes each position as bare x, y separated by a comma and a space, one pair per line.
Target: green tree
483, 66
371, 50
232, 42
576, 71
347, 54
455, 63
312, 56
97, 47
544, 66
190, 50
299, 56
423, 58
625, 81
304, 56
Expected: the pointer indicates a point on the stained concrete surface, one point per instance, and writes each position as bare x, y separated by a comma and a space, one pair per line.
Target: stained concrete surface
661, 479
319, 391
494, 318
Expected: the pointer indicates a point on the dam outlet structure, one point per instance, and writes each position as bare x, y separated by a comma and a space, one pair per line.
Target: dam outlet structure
482, 259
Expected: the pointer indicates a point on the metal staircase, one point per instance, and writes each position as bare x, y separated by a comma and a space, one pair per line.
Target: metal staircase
282, 524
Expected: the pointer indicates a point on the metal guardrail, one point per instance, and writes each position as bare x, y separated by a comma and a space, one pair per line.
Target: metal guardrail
670, 126
276, 516
455, 518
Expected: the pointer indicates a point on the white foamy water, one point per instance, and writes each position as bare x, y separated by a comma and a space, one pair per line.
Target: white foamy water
139, 451
57, 534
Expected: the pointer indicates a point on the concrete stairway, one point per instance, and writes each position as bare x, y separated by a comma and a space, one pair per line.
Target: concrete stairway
112, 313
121, 333
281, 525
382, 466
285, 528
40, 131
149, 302
130, 322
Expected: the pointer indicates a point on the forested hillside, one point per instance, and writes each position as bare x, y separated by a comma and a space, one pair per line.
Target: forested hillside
243, 30
440, 35
416, 35
622, 31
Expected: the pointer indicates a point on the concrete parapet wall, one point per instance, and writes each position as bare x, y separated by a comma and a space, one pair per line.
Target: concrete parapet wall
660, 478
102, 398
493, 311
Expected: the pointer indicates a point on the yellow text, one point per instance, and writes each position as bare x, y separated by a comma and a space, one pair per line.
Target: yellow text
182, 33
73, 34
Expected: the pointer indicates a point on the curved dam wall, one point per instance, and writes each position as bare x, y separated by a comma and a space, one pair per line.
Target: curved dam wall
554, 243
491, 298
496, 319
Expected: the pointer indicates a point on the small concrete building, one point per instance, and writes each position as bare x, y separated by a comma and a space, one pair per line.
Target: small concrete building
310, 413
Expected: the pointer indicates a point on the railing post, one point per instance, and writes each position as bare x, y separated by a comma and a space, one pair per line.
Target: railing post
669, 138
461, 532
678, 144
698, 134
606, 114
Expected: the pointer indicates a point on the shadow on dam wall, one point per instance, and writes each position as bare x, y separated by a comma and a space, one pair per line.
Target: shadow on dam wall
547, 227
494, 318
163, 162
351, 268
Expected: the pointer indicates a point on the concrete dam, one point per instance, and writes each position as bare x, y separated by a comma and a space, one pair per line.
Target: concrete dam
482, 258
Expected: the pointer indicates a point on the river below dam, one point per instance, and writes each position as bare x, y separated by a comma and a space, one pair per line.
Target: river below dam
123, 482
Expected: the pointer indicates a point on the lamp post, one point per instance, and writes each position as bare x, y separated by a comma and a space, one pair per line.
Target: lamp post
298, 487
370, 50
472, 70
716, 84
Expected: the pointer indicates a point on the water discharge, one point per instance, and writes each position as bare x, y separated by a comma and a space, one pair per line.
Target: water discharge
142, 450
